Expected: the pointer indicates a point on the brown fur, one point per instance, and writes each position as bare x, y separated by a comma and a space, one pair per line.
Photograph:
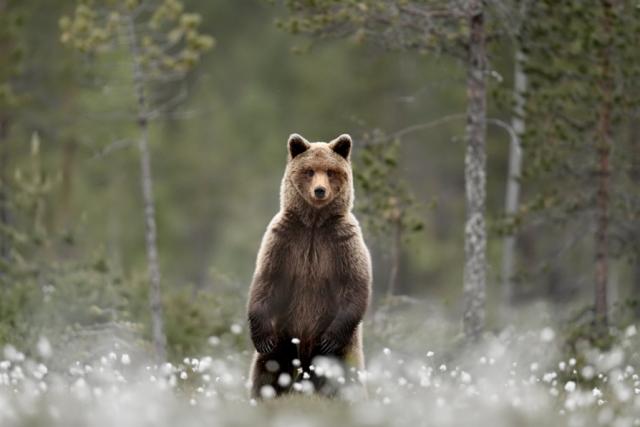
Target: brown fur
313, 273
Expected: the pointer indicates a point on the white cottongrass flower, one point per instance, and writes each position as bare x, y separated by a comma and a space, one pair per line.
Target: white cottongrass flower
267, 392
44, 347
547, 334
588, 372
284, 379
12, 354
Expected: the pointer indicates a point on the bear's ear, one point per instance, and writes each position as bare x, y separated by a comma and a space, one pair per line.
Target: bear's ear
297, 145
342, 145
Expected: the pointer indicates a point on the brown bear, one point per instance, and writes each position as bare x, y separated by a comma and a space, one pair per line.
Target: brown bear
312, 281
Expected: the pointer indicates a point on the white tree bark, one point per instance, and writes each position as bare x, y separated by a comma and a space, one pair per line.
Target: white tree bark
475, 178
512, 197
146, 178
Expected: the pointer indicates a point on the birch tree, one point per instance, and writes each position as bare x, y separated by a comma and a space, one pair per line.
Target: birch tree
512, 192
162, 43
512, 16
475, 238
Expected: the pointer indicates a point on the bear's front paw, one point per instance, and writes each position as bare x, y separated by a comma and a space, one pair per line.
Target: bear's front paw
262, 333
330, 344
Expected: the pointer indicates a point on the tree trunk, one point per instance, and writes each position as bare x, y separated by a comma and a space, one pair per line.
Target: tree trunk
396, 241
68, 162
604, 143
513, 179
634, 142
475, 179
146, 177
5, 246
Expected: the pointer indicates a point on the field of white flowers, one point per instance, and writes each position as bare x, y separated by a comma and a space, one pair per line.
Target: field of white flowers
419, 377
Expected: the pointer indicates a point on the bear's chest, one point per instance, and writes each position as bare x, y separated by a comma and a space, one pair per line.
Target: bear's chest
311, 282
312, 257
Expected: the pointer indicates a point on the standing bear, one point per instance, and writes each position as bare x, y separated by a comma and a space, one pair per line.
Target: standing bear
312, 281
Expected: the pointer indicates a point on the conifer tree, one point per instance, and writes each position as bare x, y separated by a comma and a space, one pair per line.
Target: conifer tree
583, 65
163, 43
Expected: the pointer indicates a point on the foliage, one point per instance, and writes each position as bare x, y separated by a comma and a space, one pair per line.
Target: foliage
11, 25
35, 295
26, 198
200, 319
384, 199
564, 45
196, 319
423, 26
170, 40
74, 304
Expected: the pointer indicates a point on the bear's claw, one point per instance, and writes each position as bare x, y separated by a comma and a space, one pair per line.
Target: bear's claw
265, 345
328, 345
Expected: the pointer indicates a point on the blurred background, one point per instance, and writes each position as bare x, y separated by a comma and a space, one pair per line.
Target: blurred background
74, 260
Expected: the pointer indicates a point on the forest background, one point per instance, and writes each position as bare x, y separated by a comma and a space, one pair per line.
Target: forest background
74, 234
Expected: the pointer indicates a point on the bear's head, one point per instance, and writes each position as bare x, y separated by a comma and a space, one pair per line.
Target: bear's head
318, 174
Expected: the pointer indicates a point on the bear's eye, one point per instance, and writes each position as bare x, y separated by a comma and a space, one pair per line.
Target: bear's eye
330, 173
309, 172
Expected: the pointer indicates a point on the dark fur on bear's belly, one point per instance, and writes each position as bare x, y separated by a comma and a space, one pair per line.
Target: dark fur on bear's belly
305, 319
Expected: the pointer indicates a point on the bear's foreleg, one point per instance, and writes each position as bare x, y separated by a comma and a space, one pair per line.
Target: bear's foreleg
337, 339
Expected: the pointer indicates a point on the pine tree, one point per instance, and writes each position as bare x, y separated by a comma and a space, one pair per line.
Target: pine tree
583, 68
163, 43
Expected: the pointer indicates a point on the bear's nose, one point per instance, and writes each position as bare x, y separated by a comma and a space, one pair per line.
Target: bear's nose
319, 192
